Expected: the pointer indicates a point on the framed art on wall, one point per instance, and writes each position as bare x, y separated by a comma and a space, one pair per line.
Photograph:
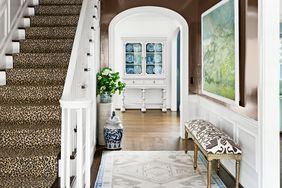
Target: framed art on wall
220, 52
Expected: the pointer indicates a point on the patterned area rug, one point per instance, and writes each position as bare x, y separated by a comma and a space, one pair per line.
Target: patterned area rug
153, 169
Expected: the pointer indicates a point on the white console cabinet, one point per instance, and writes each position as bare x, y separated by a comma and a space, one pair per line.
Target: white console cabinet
144, 66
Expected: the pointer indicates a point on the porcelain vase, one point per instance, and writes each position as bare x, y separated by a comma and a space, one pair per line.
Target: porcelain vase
113, 133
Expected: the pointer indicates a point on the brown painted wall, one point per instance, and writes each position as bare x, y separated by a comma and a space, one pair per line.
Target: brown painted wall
191, 10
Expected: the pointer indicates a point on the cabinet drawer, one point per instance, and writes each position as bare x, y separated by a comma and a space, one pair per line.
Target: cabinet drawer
133, 82
154, 82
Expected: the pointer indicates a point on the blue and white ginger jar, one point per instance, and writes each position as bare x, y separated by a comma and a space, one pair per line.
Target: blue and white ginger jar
113, 132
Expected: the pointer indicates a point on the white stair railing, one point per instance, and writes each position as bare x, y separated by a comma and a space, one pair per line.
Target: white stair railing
78, 102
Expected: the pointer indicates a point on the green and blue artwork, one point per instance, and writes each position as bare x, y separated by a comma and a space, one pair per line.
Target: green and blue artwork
220, 51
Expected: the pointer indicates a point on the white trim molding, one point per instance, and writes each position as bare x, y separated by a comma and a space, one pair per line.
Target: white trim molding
268, 94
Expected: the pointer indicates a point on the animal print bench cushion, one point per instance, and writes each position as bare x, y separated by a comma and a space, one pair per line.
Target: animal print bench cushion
211, 138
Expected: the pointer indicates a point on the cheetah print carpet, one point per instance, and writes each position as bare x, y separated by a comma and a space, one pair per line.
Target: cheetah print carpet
29, 103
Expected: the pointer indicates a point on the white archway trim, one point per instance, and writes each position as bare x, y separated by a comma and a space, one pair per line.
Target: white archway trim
184, 49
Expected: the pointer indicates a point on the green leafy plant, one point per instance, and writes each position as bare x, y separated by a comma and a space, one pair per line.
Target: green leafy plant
108, 82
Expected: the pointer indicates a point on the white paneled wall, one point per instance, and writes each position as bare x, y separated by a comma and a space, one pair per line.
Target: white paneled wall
242, 129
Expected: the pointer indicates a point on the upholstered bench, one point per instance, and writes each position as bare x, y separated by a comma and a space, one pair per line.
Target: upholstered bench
214, 144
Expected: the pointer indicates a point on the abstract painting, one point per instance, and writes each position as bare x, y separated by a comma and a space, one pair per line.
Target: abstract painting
220, 52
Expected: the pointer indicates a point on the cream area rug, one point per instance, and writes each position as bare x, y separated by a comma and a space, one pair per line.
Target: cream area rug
153, 169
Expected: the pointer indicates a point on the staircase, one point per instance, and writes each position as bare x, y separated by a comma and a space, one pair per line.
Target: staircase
30, 115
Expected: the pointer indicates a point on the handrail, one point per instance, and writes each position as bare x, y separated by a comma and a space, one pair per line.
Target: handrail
75, 49
78, 101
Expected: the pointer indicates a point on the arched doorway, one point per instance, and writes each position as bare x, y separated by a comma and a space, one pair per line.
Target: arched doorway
182, 27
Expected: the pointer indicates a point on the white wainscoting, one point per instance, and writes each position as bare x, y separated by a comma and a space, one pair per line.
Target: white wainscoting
242, 129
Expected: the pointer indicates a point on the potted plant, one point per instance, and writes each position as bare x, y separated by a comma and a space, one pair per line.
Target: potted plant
108, 83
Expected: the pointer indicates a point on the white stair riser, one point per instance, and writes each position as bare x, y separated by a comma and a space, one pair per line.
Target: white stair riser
9, 62
24, 22
2, 78
19, 34
29, 11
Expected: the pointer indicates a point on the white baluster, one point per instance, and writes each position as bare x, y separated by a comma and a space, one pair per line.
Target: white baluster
164, 100
143, 108
123, 101
68, 147
88, 149
63, 151
79, 166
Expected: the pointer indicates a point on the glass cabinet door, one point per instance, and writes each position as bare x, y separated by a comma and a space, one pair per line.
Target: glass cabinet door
133, 58
154, 58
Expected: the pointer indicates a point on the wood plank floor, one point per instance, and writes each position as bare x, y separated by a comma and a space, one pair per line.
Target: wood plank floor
151, 131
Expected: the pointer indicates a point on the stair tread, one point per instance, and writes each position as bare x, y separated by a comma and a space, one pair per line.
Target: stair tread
30, 94
50, 32
24, 162
54, 20
57, 9
36, 76
60, 2
41, 60
24, 182
29, 114
46, 45
29, 137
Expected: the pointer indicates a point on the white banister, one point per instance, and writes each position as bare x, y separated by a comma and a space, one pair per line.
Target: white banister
78, 102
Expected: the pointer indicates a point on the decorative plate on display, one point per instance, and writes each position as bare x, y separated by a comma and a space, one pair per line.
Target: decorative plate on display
159, 47
150, 47
150, 60
150, 69
137, 47
129, 70
129, 48
158, 70
158, 58
129, 58
137, 69
138, 59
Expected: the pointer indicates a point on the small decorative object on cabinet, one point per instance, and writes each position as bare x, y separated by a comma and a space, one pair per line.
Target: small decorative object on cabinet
108, 83
113, 132
144, 73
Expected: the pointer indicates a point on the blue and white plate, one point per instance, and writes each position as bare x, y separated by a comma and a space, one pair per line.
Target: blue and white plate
150, 47
150, 69
129, 58
129, 48
137, 47
137, 69
158, 58
150, 60
159, 47
158, 70
129, 70
137, 59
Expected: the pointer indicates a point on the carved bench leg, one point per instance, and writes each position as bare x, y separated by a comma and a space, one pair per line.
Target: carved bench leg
237, 173
186, 142
195, 156
218, 166
209, 173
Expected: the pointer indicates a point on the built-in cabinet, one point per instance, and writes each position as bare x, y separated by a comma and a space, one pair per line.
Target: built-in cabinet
144, 65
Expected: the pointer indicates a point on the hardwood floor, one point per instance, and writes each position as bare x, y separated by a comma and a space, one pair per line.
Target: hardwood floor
151, 131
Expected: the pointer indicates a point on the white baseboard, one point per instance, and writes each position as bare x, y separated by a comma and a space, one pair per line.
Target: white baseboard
2, 78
